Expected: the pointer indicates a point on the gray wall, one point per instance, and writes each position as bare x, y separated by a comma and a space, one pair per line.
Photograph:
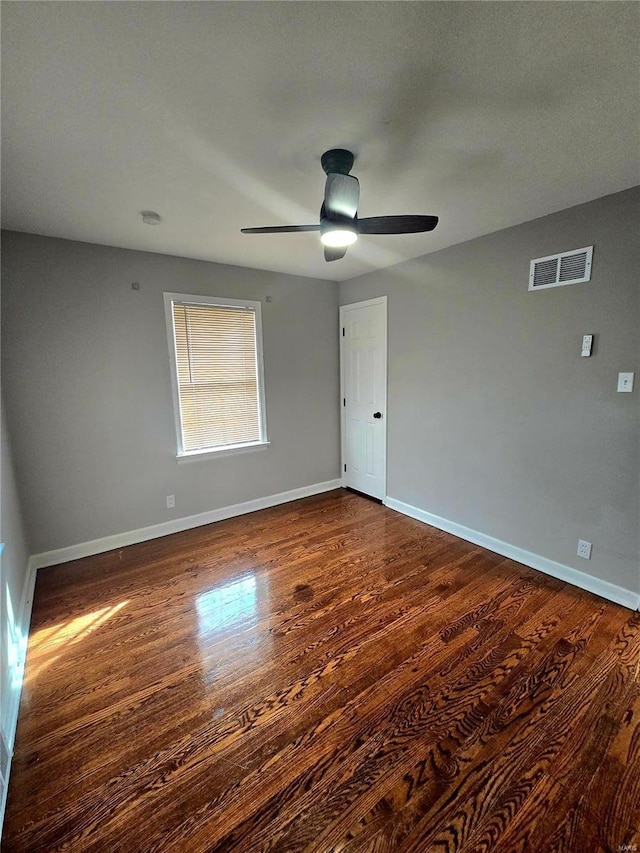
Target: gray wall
14, 563
88, 393
495, 421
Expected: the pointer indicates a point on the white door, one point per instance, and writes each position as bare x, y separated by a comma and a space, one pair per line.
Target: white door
363, 360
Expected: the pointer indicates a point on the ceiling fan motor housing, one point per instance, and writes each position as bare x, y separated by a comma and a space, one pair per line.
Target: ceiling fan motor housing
337, 160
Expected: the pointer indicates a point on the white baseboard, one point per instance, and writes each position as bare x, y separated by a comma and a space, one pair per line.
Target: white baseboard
24, 620
131, 537
16, 675
607, 590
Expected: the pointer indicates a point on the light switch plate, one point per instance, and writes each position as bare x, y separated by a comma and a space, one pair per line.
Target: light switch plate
625, 382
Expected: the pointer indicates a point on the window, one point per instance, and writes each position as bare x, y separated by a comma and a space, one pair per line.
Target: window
216, 368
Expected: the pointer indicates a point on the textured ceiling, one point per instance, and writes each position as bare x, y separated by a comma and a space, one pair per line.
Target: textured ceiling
215, 115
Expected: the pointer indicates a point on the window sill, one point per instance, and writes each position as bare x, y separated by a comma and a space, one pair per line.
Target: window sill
203, 455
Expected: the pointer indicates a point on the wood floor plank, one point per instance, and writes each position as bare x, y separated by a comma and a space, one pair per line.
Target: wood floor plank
445, 724
326, 675
403, 696
569, 688
154, 710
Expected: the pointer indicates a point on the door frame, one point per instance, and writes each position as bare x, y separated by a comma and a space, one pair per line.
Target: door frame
379, 300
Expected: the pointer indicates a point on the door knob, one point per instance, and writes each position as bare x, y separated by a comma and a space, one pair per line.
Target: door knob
377, 415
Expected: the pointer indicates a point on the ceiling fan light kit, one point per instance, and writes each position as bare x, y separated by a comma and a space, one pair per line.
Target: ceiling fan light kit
339, 225
338, 237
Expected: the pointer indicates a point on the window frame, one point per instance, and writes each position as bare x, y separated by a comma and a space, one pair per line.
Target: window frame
183, 455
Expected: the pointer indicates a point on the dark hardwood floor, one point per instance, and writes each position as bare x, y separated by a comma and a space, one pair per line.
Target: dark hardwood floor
327, 675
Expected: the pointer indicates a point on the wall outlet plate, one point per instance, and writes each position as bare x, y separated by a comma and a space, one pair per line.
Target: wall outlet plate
584, 549
625, 382
171, 501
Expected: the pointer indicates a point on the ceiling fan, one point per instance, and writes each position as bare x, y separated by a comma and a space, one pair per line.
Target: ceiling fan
339, 224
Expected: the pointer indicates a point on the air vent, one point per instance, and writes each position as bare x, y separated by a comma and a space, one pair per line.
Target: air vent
566, 268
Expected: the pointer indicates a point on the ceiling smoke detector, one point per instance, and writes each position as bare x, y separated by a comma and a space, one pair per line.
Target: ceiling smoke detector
150, 217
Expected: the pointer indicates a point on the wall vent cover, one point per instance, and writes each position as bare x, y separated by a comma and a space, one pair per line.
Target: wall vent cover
566, 268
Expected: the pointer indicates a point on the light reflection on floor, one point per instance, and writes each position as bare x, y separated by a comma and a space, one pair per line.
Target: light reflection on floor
228, 634
223, 606
58, 638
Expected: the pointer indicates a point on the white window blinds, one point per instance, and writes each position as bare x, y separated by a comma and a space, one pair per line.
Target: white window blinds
217, 375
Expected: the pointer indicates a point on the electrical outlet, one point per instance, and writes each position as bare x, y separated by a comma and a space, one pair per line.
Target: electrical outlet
171, 501
625, 382
584, 549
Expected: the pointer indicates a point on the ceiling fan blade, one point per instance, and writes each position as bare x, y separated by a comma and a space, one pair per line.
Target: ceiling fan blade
396, 224
280, 229
341, 195
334, 253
